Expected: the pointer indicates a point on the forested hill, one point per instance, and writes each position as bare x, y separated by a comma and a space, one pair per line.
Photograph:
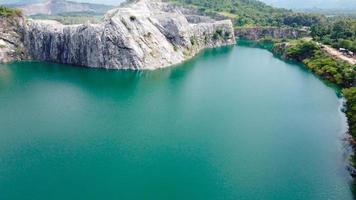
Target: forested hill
253, 12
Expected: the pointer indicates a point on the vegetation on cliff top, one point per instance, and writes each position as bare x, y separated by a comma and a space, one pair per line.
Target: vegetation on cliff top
350, 95
312, 55
253, 13
9, 12
337, 32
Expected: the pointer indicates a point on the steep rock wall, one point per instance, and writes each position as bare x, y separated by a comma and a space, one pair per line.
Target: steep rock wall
11, 39
142, 35
256, 33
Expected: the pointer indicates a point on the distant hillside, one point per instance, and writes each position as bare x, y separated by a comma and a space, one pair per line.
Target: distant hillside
331, 12
19, 2
307, 4
54, 7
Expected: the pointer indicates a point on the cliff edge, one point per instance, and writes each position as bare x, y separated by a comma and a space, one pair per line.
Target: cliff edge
141, 35
11, 38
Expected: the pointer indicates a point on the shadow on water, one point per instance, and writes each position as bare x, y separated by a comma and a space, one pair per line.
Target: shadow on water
353, 188
99, 79
181, 70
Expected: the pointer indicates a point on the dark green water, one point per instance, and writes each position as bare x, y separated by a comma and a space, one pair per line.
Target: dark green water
233, 123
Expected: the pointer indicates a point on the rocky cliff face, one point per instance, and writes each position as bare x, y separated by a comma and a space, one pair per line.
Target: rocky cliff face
11, 39
141, 35
274, 32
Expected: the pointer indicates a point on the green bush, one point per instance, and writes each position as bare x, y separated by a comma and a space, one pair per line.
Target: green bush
350, 95
227, 35
9, 12
334, 70
216, 36
337, 32
301, 50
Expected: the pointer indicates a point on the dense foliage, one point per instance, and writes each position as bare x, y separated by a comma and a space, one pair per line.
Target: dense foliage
338, 32
9, 12
350, 95
253, 13
301, 50
336, 71
309, 52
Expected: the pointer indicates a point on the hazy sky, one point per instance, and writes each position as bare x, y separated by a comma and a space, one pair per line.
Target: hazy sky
279, 3
109, 2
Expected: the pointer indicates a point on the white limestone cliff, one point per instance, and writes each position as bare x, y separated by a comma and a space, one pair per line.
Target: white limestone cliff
141, 35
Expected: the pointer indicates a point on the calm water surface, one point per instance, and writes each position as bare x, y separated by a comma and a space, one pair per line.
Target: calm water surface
233, 123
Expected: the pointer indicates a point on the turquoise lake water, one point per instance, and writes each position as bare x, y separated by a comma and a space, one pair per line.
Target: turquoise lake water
233, 123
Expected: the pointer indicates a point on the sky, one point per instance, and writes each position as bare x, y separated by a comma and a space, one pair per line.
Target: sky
298, 4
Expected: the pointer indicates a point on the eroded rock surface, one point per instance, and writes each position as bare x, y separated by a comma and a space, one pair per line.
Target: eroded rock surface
11, 39
141, 35
256, 33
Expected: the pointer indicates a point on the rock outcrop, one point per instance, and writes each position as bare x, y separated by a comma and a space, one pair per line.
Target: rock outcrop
256, 33
141, 35
11, 39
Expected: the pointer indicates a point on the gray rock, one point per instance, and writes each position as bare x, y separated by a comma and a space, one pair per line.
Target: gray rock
11, 39
141, 35
256, 33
